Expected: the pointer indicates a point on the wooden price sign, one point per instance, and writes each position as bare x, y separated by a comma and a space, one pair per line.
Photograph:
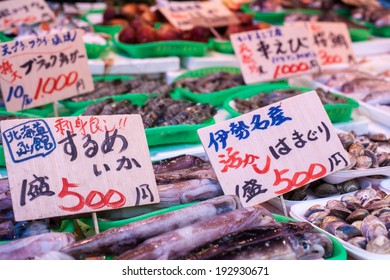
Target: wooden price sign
44, 69
275, 53
66, 166
187, 15
332, 41
275, 149
17, 12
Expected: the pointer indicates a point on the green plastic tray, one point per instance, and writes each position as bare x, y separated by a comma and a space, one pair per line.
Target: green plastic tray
222, 46
213, 98
358, 35
25, 115
339, 252
379, 31
162, 48
100, 28
42, 111
96, 51
166, 135
269, 17
336, 112
138, 99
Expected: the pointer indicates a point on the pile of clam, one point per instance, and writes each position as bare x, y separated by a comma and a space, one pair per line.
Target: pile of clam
361, 219
366, 151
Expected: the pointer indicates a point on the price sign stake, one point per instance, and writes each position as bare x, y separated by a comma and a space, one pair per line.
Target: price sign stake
18, 12
275, 149
72, 165
40, 70
187, 15
275, 53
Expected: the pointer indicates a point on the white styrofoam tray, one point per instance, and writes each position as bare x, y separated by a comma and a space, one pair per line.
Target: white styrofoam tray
298, 211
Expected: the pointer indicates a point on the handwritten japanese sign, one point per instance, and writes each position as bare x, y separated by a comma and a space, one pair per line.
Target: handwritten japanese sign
275, 149
17, 12
332, 40
187, 15
275, 53
43, 69
66, 166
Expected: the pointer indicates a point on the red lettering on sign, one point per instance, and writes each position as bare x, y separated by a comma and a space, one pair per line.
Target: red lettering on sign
58, 83
290, 69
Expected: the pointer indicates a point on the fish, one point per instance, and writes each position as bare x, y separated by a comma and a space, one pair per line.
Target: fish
6, 215
189, 191
5, 200
37, 245
176, 163
117, 240
336, 79
6, 228
291, 241
378, 97
365, 85
176, 243
54, 255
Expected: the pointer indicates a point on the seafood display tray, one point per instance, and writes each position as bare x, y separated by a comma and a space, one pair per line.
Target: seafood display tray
336, 112
339, 252
345, 175
118, 64
298, 210
374, 113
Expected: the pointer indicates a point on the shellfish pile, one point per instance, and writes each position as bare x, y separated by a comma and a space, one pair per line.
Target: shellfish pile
366, 151
361, 219
263, 99
118, 87
210, 83
158, 111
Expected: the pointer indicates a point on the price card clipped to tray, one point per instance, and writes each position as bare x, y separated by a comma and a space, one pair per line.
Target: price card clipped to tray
189, 14
72, 165
275, 53
332, 41
18, 12
43, 69
275, 149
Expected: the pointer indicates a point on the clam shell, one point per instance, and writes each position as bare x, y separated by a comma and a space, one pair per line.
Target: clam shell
358, 224
379, 245
346, 139
356, 149
357, 215
358, 241
341, 212
365, 194
324, 190
377, 137
313, 209
333, 226
346, 232
372, 227
363, 162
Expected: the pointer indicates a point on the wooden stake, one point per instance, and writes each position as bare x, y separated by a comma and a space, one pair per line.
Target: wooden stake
215, 33
95, 222
55, 109
283, 205
97, 231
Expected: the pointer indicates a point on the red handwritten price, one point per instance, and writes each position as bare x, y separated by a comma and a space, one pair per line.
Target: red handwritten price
90, 200
51, 84
8, 22
304, 177
329, 59
291, 69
